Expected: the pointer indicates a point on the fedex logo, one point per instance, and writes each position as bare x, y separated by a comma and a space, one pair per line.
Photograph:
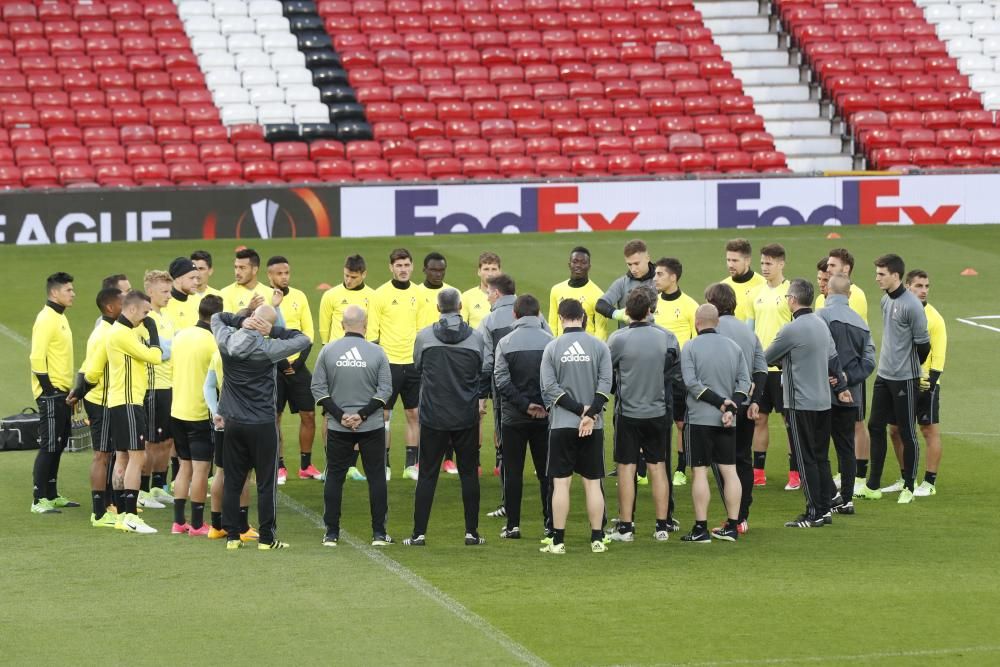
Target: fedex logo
536, 213
866, 202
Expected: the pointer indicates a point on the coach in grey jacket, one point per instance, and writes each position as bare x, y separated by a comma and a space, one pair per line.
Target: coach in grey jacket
524, 419
247, 405
805, 351
717, 382
353, 383
640, 272
448, 355
856, 353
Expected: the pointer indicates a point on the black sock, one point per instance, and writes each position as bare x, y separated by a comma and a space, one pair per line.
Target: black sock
662, 524
197, 515
354, 458
244, 519
862, 468
281, 461
791, 463
217, 520
625, 527
305, 460
758, 460
179, 505
130, 497
902, 474
109, 498
119, 497
930, 477
175, 466
700, 526
51, 489
411, 456
681, 461
159, 479
97, 498
596, 535
732, 524
144, 483
558, 535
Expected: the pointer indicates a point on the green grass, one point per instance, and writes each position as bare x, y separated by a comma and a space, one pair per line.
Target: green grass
892, 585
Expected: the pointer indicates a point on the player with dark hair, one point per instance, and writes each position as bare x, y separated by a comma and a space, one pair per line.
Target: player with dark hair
51, 361
475, 301
822, 278
839, 261
576, 380
640, 272
202, 260
351, 292
741, 278
117, 280
580, 287
496, 325
240, 293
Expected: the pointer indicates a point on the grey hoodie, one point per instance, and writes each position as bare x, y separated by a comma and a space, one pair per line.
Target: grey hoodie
575, 371
449, 357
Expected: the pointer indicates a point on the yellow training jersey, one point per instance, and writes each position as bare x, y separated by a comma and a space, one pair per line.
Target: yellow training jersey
744, 304
208, 290
163, 372
475, 306
939, 341
129, 357
587, 295
856, 300
182, 309
333, 304
677, 315
236, 297
428, 313
192, 353
216, 365
392, 321
295, 311
96, 363
51, 349
769, 312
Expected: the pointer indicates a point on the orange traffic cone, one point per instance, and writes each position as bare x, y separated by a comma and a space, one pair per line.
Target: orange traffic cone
833, 235
969, 272
323, 287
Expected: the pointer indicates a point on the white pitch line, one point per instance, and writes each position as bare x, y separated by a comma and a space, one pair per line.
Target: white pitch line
863, 657
970, 434
977, 324
13, 335
424, 587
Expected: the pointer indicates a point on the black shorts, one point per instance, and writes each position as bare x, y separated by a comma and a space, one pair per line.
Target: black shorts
706, 445
100, 427
157, 405
54, 424
192, 440
863, 408
651, 436
771, 400
217, 438
569, 453
679, 408
929, 406
295, 392
405, 385
128, 427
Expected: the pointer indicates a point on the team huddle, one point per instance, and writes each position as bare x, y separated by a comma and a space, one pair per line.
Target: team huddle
186, 383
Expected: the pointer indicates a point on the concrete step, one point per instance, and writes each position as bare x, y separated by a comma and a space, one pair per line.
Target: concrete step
787, 110
748, 59
728, 8
737, 25
746, 42
808, 145
820, 163
768, 75
799, 92
799, 128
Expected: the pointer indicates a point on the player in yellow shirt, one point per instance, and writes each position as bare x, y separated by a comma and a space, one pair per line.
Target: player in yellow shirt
352, 292
202, 260
95, 404
392, 323
840, 261
192, 351
769, 312
239, 294
159, 441
129, 356
741, 277
580, 288
475, 304
675, 312
292, 386
435, 266
51, 361
929, 398
182, 309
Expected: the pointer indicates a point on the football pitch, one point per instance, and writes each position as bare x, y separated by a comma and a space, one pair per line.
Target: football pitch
893, 585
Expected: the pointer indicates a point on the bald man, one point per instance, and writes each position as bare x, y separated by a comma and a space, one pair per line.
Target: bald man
250, 348
353, 382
